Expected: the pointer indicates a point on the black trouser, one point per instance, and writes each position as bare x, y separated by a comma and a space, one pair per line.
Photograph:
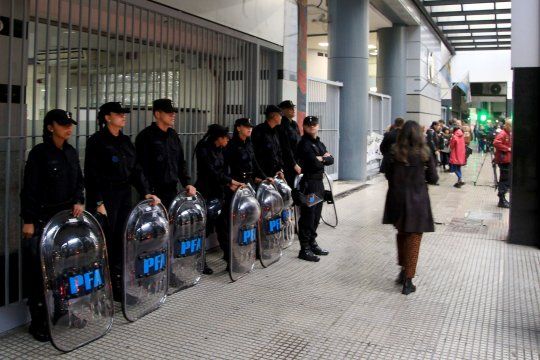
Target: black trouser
33, 279
504, 179
166, 193
290, 176
220, 225
310, 216
117, 201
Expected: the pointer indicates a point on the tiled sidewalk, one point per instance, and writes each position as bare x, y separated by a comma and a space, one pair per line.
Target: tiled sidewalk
477, 297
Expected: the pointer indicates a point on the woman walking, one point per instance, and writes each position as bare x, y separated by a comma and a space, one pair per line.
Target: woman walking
407, 202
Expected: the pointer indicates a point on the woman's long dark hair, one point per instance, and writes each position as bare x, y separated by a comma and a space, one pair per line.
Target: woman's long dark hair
410, 141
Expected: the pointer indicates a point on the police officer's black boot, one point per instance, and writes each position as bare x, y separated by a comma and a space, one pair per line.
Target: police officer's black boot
408, 287
503, 203
308, 255
207, 269
38, 327
317, 250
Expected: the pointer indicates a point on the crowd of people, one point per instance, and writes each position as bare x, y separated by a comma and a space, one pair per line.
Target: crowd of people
410, 158
155, 166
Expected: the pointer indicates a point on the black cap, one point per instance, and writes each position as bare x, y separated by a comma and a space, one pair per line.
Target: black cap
112, 107
243, 122
165, 105
61, 117
216, 131
272, 109
287, 104
311, 121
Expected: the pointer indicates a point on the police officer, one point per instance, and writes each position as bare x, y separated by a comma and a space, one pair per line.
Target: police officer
289, 137
160, 153
240, 155
110, 169
266, 143
313, 157
212, 179
52, 182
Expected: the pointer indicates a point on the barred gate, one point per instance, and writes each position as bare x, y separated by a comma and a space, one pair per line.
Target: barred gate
78, 54
323, 102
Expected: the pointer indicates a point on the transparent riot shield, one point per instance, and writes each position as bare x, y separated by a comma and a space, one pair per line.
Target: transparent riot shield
244, 218
329, 212
288, 219
78, 292
146, 260
297, 180
270, 224
187, 241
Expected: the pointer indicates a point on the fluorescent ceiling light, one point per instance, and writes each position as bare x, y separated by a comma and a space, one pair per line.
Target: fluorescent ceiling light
372, 47
323, 44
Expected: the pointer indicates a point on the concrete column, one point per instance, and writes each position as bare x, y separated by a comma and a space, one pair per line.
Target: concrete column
392, 67
348, 33
526, 64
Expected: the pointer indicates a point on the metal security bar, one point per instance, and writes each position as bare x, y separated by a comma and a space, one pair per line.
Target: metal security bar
79, 54
380, 107
323, 102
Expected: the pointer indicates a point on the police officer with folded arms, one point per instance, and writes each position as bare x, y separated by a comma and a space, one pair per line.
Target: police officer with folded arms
212, 179
289, 137
110, 169
266, 143
160, 153
53, 182
312, 157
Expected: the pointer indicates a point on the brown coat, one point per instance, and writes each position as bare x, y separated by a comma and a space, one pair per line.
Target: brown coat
407, 206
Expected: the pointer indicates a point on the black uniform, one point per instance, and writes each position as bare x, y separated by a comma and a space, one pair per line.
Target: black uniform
389, 139
110, 168
240, 158
212, 179
313, 170
52, 182
161, 157
289, 137
267, 148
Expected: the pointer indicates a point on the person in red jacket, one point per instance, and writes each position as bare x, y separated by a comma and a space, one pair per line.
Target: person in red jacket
458, 156
503, 158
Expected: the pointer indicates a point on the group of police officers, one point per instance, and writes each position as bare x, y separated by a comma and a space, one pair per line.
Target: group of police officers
154, 166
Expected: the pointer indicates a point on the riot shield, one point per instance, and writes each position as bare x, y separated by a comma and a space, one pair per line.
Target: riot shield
329, 211
244, 218
297, 180
78, 292
146, 260
270, 225
288, 219
187, 241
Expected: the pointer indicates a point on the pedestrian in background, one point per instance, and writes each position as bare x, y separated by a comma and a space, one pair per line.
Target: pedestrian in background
503, 158
457, 155
407, 206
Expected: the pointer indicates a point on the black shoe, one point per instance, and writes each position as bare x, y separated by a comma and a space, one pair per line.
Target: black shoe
207, 270
308, 255
317, 250
503, 203
39, 333
461, 182
408, 287
457, 185
400, 278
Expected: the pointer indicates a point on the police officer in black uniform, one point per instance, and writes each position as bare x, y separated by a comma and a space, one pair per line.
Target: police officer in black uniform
289, 137
266, 143
240, 155
110, 169
160, 153
53, 182
313, 157
212, 179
